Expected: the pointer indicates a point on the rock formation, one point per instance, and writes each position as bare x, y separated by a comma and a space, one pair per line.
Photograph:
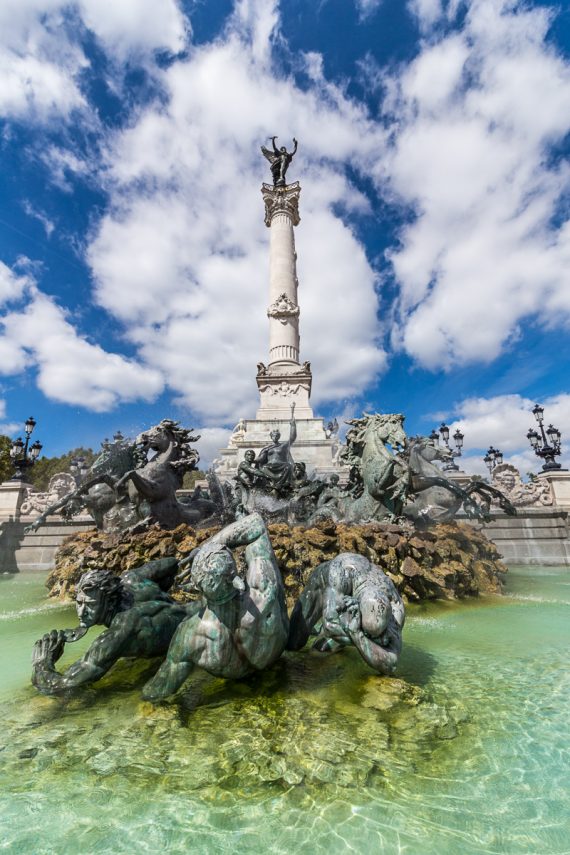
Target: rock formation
448, 561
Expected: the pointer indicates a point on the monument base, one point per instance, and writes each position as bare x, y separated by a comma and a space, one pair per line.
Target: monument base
313, 446
559, 480
12, 495
536, 536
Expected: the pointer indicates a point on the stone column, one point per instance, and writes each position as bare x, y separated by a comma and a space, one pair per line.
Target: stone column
284, 380
281, 214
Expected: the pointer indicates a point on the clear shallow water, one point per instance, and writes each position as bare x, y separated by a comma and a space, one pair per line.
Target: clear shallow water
470, 755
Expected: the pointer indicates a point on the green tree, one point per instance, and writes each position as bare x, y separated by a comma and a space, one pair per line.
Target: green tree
46, 467
6, 468
190, 478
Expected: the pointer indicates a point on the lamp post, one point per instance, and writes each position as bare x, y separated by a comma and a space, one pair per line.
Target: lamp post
545, 444
493, 458
23, 454
458, 437
79, 469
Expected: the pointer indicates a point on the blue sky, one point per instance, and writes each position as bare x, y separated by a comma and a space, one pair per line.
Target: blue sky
434, 244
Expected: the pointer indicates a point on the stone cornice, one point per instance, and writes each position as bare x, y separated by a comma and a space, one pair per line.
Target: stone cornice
281, 200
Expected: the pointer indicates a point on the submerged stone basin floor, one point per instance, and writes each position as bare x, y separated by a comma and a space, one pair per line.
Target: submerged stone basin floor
465, 752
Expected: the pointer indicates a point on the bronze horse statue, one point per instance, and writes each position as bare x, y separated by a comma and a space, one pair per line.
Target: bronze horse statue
152, 487
434, 498
96, 494
370, 445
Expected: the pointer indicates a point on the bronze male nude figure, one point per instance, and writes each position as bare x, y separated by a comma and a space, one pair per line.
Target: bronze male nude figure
355, 604
242, 626
139, 615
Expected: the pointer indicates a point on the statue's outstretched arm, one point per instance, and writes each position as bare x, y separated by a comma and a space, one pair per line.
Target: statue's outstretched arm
294, 147
292, 426
275, 149
51, 509
250, 531
100, 657
162, 571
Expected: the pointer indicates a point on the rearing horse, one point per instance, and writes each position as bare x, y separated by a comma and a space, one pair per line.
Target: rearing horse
383, 477
152, 487
435, 498
96, 493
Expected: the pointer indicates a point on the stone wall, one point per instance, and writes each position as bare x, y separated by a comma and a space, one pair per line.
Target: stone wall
535, 536
449, 561
21, 552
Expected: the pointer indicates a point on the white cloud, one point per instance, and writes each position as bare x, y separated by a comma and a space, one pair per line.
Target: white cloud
41, 59
210, 442
13, 284
182, 257
427, 12
475, 115
131, 26
367, 7
7, 428
503, 422
430, 13
38, 64
48, 224
63, 164
70, 369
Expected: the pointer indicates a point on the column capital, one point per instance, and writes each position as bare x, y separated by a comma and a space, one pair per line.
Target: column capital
281, 200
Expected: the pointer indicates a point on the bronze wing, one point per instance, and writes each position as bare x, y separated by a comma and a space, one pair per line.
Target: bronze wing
270, 155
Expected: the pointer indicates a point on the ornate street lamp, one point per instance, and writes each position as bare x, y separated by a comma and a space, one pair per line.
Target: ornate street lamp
545, 444
493, 458
79, 469
458, 438
23, 454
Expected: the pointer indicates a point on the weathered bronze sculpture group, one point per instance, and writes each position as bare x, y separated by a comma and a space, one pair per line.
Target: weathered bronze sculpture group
241, 624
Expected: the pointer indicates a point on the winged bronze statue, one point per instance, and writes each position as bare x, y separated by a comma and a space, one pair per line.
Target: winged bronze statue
279, 160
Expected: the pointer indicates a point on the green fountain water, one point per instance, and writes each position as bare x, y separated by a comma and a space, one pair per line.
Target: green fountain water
317, 756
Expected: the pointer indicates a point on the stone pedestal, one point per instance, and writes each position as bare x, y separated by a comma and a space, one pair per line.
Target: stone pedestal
312, 446
279, 387
559, 481
12, 494
458, 476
